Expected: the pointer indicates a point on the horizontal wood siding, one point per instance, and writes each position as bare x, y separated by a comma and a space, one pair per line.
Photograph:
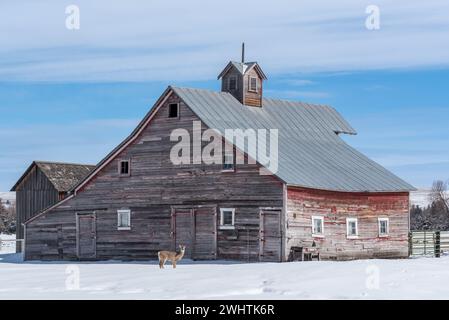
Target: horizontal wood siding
153, 187
238, 93
335, 207
252, 98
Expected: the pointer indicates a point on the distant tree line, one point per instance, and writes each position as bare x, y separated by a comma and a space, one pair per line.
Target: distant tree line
7, 218
436, 215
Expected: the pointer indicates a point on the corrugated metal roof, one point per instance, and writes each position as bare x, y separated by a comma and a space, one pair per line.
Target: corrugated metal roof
311, 154
243, 66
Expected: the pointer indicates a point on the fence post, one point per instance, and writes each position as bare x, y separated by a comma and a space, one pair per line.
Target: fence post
410, 244
425, 243
437, 244
247, 239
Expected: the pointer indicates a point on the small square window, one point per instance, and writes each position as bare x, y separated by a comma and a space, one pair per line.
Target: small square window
317, 226
232, 83
227, 218
124, 167
228, 162
253, 84
351, 228
173, 110
383, 227
123, 219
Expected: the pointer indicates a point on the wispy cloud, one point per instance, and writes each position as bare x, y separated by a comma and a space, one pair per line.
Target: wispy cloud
296, 94
83, 141
297, 82
412, 142
155, 40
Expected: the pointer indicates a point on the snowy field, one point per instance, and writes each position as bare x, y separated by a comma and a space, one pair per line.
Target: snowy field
422, 278
420, 198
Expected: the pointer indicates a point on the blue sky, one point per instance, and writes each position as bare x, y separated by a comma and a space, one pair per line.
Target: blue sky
73, 95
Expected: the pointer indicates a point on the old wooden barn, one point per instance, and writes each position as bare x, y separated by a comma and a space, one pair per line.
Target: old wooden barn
42, 185
137, 201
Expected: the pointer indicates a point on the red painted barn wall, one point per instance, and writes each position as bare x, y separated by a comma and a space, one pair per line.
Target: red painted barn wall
335, 207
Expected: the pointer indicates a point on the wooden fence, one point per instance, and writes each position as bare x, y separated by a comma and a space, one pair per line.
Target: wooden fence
428, 243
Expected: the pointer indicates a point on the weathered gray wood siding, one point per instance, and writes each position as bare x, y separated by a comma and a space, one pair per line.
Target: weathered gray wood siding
154, 186
34, 194
238, 92
252, 98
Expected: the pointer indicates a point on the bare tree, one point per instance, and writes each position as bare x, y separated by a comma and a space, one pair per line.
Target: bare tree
3, 214
440, 194
7, 218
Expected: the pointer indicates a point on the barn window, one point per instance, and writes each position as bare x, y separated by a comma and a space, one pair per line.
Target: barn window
228, 161
253, 84
317, 226
123, 168
351, 228
123, 219
232, 83
173, 110
383, 227
227, 218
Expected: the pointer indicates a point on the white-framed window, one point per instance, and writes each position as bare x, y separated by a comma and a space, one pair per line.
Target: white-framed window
228, 162
232, 83
317, 226
124, 219
227, 218
352, 230
384, 225
253, 84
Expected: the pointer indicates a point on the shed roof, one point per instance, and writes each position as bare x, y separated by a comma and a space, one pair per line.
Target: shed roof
311, 154
63, 176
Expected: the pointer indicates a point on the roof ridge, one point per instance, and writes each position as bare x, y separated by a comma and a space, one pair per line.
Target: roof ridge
64, 163
263, 98
249, 62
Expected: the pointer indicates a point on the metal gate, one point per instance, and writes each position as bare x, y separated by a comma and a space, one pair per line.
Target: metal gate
428, 243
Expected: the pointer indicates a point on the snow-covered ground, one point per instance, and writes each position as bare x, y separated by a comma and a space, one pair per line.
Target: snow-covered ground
421, 278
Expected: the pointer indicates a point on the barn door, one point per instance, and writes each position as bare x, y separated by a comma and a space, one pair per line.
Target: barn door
182, 230
270, 236
205, 246
86, 236
195, 227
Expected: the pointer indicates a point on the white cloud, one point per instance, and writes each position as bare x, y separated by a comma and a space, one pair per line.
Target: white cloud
295, 94
179, 40
298, 82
